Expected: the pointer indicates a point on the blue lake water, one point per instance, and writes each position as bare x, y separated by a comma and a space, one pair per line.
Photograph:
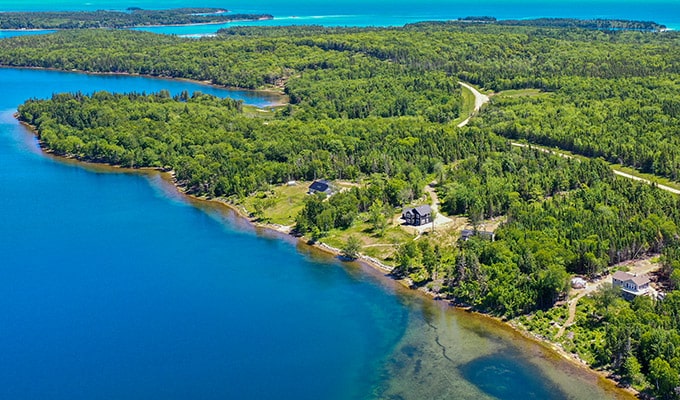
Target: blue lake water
114, 286
380, 12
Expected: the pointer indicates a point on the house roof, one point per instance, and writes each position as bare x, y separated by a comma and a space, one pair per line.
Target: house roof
625, 276
622, 276
319, 186
641, 280
420, 210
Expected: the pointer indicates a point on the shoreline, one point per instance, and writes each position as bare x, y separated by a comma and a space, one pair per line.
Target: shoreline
366, 263
134, 27
282, 99
264, 18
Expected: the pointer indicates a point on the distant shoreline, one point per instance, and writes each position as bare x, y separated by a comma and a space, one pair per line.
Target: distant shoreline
140, 27
281, 98
131, 18
136, 27
195, 24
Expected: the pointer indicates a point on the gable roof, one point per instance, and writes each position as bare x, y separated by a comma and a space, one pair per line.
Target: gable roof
625, 276
622, 276
420, 210
641, 280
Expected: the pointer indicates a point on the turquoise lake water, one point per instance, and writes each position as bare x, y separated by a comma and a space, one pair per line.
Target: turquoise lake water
114, 286
380, 12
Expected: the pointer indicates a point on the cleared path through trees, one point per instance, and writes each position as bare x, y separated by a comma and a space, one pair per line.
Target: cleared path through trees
480, 100
641, 267
616, 172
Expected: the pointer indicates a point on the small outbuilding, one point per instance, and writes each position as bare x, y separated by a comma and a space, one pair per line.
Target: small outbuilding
320, 186
578, 283
466, 234
417, 216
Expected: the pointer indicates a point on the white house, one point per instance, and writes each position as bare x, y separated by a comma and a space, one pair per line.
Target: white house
631, 284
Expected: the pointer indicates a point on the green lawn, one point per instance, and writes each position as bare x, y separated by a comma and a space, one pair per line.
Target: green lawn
522, 93
284, 203
372, 245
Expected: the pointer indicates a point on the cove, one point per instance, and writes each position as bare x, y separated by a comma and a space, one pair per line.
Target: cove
115, 286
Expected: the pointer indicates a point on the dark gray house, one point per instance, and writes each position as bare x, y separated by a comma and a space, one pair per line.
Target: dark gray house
417, 216
322, 186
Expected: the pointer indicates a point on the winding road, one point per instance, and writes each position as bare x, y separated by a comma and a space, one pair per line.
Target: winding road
481, 99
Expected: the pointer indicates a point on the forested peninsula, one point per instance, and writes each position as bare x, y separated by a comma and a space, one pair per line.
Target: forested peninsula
598, 23
376, 112
134, 17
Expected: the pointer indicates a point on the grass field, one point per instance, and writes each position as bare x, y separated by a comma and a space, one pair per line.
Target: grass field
281, 204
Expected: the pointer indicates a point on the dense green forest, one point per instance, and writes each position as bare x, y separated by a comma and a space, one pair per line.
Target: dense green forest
563, 215
601, 24
119, 19
380, 107
612, 94
629, 121
227, 153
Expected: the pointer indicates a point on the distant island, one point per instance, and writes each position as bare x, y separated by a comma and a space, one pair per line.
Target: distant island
600, 24
133, 17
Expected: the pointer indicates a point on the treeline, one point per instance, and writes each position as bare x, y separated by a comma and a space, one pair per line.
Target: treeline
339, 84
492, 56
376, 72
118, 19
217, 151
563, 216
598, 23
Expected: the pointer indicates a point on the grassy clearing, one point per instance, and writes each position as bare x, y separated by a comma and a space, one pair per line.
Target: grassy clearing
467, 106
372, 245
256, 112
468, 103
522, 93
281, 204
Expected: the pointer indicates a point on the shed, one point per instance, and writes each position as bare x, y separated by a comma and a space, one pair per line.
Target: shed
466, 234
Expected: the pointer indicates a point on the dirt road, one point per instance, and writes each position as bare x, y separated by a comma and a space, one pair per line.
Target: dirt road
480, 100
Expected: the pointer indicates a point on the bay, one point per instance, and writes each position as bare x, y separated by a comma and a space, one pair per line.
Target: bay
115, 286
